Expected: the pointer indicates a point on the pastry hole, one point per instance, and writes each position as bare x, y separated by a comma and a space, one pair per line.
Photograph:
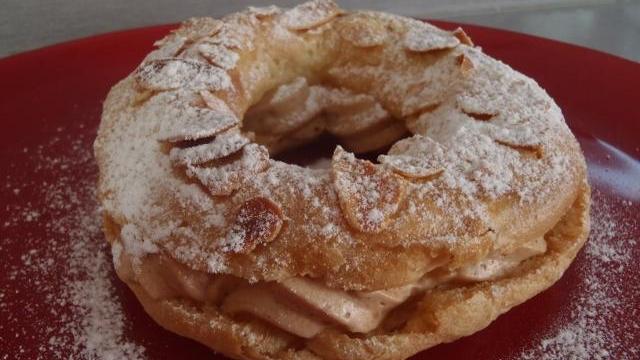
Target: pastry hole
319, 149
327, 119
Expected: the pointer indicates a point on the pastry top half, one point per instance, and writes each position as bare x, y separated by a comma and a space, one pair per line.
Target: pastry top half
480, 163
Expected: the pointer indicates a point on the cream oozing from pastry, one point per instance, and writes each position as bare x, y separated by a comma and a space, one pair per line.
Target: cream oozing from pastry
301, 306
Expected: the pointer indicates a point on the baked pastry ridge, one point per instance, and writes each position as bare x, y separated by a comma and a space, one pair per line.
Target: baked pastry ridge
480, 203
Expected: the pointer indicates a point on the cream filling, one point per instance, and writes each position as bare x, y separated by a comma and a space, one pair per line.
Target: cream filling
305, 307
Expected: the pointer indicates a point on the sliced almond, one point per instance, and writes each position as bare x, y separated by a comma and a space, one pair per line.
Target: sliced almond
180, 120
465, 64
342, 101
521, 139
348, 124
223, 145
168, 47
295, 119
282, 99
350, 113
258, 221
225, 179
196, 28
480, 116
169, 74
219, 55
477, 106
213, 102
234, 34
536, 150
284, 95
423, 37
290, 107
310, 14
363, 32
368, 194
412, 167
462, 36
415, 157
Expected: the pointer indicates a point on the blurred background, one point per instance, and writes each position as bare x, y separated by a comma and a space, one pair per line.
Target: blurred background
607, 25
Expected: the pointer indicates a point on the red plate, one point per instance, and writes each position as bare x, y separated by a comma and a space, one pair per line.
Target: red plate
59, 296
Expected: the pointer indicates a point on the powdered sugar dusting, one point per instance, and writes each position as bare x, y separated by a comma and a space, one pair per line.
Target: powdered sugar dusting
421, 37
363, 33
595, 326
310, 14
224, 179
223, 145
178, 120
61, 274
368, 194
258, 221
169, 74
219, 55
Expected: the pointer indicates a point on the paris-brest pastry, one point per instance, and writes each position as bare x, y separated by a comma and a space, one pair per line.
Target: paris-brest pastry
479, 203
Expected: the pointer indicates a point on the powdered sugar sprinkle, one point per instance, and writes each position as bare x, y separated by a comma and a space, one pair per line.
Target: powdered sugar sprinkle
593, 328
60, 271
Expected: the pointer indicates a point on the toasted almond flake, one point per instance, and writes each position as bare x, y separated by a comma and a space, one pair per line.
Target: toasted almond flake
465, 64
536, 150
475, 106
284, 99
223, 145
196, 28
179, 120
415, 157
234, 34
423, 37
170, 74
310, 14
352, 123
343, 101
290, 107
168, 47
225, 179
219, 55
258, 221
351, 113
480, 116
462, 36
214, 103
289, 92
304, 112
363, 32
368, 194
520, 138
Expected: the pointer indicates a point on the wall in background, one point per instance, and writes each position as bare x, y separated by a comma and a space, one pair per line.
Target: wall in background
28, 24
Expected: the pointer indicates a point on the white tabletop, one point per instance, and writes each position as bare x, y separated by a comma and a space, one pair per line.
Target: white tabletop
607, 25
